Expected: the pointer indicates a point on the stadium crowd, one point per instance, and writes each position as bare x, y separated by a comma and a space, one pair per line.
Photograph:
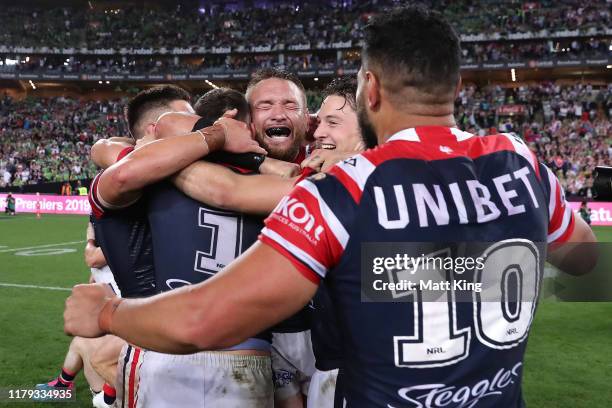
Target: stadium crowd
490, 52
568, 126
290, 22
48, 140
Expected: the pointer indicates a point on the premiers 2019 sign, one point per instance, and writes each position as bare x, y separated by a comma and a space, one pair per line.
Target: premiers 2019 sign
601, 212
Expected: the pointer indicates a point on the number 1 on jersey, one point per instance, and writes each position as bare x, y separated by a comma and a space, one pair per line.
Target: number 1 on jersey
225, 244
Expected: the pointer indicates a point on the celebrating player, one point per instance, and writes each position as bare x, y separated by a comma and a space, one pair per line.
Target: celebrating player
427, 181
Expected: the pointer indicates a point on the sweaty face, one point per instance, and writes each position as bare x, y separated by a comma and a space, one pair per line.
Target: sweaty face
338, 125
279, 117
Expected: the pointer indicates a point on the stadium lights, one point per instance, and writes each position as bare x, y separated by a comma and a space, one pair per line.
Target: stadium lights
513, 74
211, 84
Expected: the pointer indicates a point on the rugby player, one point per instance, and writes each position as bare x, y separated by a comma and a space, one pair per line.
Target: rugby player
119, 187
337, 134
488, 188
81, 351
279, 121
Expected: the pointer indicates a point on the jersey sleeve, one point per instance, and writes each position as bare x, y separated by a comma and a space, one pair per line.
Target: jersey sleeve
561, 218
97, 208
305, 230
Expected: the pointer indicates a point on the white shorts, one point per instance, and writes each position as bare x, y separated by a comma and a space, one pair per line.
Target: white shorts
149, 379
293, 363
322, 390
104, 275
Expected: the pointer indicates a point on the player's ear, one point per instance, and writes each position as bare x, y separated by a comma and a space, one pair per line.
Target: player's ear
373, 90
458, 88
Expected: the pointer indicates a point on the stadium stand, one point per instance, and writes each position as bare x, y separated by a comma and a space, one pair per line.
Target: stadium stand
48, 140
288, 23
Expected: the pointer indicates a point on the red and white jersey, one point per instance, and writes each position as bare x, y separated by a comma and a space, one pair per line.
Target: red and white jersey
425, 184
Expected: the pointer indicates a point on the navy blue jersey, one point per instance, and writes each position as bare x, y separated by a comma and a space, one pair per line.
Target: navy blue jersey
193, 241
125, 239
428, 184
326, 341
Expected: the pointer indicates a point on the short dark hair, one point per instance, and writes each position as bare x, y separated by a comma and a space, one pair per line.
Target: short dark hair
414, 47
213, 104
345, 86
279, 73
152, 98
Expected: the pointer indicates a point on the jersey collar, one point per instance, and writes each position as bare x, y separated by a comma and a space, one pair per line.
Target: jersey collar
429, 132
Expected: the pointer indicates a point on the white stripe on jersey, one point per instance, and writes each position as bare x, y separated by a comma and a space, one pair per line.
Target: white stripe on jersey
460, 134
408, 135
330, 218
522, 149
567, 215
357, 168
552, 200
296, 252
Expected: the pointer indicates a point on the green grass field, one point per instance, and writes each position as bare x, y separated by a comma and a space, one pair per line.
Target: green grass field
568, 363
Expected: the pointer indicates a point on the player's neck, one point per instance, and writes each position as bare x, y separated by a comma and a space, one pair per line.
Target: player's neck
401, 121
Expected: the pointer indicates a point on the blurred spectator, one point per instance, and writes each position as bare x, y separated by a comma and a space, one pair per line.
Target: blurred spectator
66, 189
585, 212
48, 140
279, 22
568, 127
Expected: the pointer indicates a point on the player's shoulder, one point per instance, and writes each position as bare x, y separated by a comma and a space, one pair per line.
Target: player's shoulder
349, 175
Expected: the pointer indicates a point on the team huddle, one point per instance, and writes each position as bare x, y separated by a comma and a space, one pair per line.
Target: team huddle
236, 247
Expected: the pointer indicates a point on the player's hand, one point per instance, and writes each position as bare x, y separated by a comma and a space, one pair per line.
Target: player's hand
83, 308
94, 258
238, 137
279, 168
322, 160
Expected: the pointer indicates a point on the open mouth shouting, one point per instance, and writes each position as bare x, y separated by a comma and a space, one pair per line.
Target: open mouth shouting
279, 134
278, 131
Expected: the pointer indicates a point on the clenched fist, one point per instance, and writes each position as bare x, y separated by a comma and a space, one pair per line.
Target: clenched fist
83, 309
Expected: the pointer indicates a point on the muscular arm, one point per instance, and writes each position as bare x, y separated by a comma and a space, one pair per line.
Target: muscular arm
220, 187
259, 289
122, 182
578, 255
94, 258
105, 151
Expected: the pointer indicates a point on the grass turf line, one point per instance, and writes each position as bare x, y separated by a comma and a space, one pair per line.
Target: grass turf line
568, 361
